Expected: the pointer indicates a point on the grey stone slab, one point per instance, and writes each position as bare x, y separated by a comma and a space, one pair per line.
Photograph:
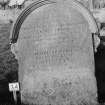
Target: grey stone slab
56, 59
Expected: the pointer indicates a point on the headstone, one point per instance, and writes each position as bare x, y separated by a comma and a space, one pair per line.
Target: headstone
56, 58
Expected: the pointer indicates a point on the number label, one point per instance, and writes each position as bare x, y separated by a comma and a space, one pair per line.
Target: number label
14, 86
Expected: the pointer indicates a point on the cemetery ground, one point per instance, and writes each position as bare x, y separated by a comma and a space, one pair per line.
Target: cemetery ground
9, 68
8, 64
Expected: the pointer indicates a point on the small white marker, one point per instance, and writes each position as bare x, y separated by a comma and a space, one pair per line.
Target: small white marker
14, 87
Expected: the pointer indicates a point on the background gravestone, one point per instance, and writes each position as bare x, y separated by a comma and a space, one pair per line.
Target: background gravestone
55, 56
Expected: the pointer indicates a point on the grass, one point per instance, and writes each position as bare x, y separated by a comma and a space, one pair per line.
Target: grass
8, 63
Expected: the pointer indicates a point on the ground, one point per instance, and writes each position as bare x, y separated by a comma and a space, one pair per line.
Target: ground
8, 63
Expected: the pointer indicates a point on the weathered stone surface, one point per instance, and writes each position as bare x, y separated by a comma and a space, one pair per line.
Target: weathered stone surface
55, 55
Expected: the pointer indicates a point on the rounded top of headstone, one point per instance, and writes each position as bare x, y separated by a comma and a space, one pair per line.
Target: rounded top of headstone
66, 10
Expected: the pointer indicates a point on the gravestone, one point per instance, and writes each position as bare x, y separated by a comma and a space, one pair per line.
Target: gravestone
55, 54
